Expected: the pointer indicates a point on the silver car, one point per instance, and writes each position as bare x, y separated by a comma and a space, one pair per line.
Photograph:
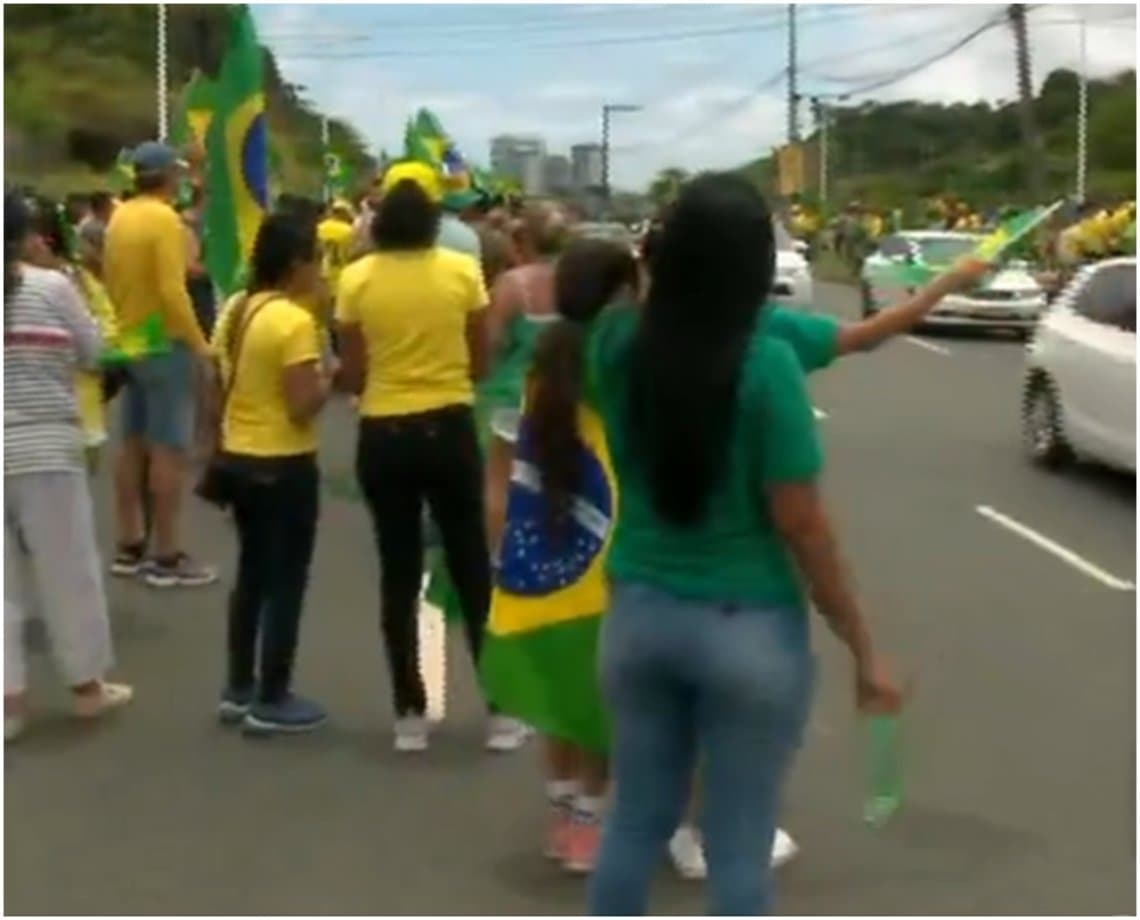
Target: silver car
1010, 299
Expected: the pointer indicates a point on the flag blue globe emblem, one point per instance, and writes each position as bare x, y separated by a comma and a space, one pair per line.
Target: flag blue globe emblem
533, 561
255, 160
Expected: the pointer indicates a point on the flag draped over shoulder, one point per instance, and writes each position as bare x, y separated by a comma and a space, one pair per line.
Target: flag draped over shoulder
237, 156
539, 657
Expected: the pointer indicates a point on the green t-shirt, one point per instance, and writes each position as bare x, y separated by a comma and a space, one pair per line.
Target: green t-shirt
735, 553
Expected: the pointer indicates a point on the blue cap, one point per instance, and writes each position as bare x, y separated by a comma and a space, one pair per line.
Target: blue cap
155, 157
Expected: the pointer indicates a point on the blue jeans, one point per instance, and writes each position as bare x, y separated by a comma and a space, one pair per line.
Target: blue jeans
158, 403
682, 677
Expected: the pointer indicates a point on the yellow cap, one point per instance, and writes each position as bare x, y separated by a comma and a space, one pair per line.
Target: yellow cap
424, 176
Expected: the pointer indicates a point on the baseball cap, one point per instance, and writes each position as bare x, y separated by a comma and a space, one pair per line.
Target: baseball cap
419, 173
155, 156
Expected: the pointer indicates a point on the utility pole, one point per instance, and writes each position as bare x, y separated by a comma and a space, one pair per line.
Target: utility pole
1082, 119
793, 91
161, 67
819, 106
1031, 142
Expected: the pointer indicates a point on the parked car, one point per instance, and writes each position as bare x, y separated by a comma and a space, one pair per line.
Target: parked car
1079, 392
793, 285
1010, 299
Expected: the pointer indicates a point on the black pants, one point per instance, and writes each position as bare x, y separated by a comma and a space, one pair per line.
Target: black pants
275, 508
401, 463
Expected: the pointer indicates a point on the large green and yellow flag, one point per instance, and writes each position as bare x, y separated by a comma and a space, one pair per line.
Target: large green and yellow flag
237, 156
539, 655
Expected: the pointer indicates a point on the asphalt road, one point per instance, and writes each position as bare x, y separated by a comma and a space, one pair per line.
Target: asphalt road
1020, 741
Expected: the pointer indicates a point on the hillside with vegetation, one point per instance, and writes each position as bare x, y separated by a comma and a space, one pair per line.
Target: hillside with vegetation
895, 154
80, 84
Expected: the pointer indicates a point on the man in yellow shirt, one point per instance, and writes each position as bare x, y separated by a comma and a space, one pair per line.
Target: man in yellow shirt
144, 268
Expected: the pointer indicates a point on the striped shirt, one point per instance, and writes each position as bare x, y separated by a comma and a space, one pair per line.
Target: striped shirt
48, 335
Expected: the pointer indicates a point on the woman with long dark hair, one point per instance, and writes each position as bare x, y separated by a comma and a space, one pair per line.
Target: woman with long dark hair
412, 329
705, 648
50, 545
270, 361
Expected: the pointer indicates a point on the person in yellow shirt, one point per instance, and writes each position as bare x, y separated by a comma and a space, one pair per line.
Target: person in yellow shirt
335, 235
412, 331
144, 270
273, 389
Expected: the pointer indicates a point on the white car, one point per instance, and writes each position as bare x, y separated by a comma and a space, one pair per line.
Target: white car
1079, 394
1011, 299
793, 284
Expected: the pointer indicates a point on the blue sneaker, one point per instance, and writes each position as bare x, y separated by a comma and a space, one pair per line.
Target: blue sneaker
234, 706
293, 715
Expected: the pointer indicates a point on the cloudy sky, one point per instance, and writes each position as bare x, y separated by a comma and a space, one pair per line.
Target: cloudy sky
709, 78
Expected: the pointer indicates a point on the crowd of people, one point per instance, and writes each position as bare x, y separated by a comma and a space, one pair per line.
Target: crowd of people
511, 382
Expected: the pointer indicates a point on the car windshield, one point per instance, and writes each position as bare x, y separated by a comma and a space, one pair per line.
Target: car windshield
945, 250
784, 241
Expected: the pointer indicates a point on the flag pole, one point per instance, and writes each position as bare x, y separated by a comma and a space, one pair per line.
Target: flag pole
161, 76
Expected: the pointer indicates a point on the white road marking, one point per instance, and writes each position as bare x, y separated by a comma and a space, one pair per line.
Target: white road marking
433, 657
1066, 555
819, 413
929, 346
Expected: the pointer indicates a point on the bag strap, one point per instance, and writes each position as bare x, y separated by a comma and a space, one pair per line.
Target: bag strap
234, 351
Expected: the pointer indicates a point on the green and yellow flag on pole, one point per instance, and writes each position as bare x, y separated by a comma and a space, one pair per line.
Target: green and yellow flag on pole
237, 156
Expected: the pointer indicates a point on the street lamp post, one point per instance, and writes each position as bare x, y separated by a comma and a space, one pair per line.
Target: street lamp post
608, 110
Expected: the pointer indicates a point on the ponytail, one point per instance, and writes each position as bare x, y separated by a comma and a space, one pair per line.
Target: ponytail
552, 410
589, 275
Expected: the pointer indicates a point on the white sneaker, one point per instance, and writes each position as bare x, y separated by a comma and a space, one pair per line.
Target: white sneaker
411, 735
687, 854
505, 734
784, 848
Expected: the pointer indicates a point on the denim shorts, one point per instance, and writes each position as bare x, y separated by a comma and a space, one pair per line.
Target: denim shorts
158, 401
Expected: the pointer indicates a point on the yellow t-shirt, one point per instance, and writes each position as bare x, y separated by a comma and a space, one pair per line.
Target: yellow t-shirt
89, 384
412, 308
282, 334
336, 239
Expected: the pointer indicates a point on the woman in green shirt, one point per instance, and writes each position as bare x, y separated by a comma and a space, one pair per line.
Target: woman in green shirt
705, 648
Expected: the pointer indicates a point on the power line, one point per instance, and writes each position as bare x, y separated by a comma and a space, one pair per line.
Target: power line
490, 28
911, 70
899, 41
762, 26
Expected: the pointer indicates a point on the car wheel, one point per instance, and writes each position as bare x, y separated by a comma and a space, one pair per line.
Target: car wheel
1042, 426
865, 296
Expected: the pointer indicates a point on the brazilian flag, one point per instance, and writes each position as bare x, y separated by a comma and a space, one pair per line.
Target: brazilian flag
540, 650
237, 156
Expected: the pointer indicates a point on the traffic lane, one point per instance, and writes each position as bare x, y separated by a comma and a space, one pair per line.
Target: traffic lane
964, 411
1025, 694
974, 609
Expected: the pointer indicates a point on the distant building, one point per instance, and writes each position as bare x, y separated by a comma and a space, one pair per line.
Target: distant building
559, 178
586, 166
522, 159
